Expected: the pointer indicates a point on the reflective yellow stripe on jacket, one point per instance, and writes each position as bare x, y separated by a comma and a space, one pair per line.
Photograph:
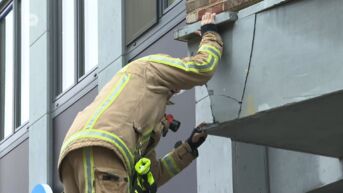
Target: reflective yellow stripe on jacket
88, 165
88, 132
190, 66
108, 101
170, 165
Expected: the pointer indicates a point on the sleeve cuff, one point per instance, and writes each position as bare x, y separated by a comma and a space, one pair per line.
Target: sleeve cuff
187, 147
208, 27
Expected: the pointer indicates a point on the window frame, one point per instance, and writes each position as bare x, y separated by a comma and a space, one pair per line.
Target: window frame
79, 43
163, 10
6, 6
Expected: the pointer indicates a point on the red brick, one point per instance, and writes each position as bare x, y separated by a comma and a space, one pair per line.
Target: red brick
214, 1
197, 14
198, 7
236, 5
192, 5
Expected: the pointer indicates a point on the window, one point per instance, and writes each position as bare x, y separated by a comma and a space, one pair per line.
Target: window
14, 67
142, 15
79, 34
7, 29
139, 16
167, 3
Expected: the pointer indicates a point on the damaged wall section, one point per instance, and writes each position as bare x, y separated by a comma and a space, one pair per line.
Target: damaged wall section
282, 55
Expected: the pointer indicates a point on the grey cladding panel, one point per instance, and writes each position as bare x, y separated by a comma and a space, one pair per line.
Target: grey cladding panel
294, 172
227, 85
230, 76
249, 168
313, 126
335, 187
297, 54
14, 170
61, 124
140, 16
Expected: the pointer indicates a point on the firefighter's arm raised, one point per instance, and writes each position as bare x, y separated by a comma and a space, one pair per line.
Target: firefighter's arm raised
185, 73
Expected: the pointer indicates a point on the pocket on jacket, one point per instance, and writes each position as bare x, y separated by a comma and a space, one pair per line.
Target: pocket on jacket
110, 180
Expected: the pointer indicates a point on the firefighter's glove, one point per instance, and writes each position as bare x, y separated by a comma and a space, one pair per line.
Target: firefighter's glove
197, 137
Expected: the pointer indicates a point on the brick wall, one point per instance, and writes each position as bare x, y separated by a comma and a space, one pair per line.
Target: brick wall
196, 8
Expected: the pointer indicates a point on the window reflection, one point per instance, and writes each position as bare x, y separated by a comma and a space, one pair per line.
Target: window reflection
91, 34
68, 44
167, 3
9, 87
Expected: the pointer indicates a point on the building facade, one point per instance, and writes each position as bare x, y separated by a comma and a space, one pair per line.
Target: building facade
55, 56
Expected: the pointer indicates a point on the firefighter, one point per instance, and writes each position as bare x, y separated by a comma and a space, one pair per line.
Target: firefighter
120, 129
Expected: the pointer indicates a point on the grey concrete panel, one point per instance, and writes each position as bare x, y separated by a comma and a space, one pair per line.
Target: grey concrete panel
259, 7
203, 111
38, 79
184, 111
296, 54
39, 152
229, 79
335, 187
249, 164
200, 93
110, 31
312, 126
61, 124
38, 19
14, 167
294, 172
213, 174
224, 108
227, 85
107, 73
214, 166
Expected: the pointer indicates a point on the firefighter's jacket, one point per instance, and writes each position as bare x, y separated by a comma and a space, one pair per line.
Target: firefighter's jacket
126, 115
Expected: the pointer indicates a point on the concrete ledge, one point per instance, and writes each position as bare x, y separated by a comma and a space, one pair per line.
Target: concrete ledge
312, 126
187, 32
335, 187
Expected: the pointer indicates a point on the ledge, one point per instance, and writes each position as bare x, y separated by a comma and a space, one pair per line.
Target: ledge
186, 33
335, 187
312, 126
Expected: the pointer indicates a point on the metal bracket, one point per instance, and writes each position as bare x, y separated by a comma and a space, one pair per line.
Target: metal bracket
187, 32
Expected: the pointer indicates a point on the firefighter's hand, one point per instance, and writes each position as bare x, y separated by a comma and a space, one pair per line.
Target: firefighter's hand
197, 138
208, 18
207, 23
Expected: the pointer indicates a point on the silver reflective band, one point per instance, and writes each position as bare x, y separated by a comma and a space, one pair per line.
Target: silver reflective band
170, 165
105, 136
210, 50
187, 66
89, 172
108, 101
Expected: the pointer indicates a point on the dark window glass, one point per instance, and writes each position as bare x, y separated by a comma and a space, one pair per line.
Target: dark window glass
167, 3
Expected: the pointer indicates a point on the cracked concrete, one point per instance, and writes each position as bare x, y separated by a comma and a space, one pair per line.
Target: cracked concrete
271, 60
